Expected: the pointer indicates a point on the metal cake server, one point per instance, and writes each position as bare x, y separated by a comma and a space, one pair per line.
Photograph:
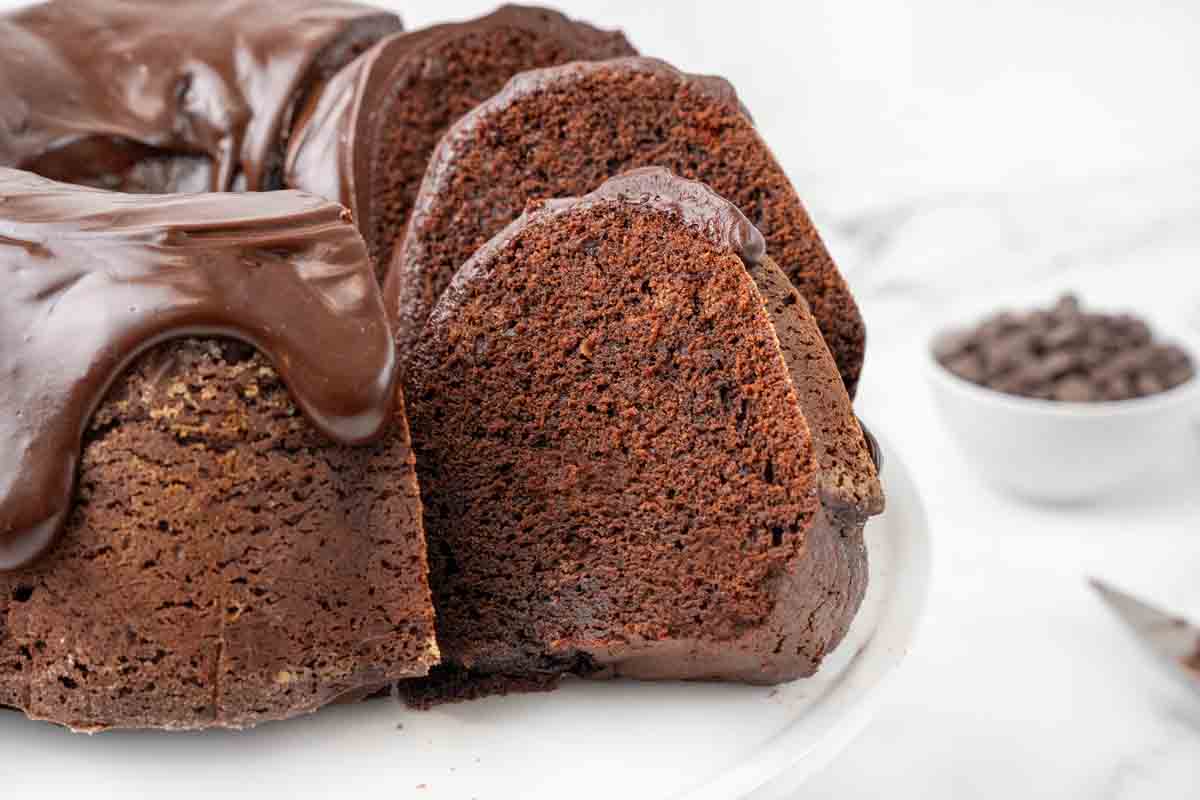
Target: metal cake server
1171, 639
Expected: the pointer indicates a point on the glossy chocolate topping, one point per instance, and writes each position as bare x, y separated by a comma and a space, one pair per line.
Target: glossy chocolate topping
90, 279
330, 150
320, 156
194, 95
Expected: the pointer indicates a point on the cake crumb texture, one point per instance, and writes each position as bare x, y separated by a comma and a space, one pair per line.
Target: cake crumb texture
224, 564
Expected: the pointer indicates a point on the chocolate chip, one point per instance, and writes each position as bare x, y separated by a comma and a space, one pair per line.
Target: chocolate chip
1119, 388
1007, 352
950, 345
1069, 333
1176, 357
1067, 306
1147, 384
1139, 333
968, 367
1075, 389
1053, 366
1065, 353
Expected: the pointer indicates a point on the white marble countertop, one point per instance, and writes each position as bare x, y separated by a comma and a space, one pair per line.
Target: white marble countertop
960, 155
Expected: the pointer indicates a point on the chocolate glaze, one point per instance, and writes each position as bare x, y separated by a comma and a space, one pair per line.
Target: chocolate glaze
321, 147
90, 279
329, 152
132, 95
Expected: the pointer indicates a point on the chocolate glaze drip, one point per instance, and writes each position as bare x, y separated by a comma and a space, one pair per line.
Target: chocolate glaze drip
90, 279
191, 96
320, 157
329, 152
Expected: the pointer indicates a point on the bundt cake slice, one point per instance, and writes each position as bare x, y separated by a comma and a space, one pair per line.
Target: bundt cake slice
633, 460
188, 538
146, 96
365, 140
562, 131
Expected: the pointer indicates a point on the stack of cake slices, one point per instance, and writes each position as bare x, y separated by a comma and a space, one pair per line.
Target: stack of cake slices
337, 359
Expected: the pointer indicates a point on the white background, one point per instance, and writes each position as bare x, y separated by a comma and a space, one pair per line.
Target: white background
958, 155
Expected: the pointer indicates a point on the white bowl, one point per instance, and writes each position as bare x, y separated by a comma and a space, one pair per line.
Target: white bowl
1052, 451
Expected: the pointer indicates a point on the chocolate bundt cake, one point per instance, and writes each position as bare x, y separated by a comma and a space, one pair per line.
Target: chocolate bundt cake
562, 131
636, 454
187, 537
194, 95
365, 140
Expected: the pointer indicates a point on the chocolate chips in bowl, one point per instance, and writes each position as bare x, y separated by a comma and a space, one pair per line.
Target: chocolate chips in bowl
1065, 353
1064, 403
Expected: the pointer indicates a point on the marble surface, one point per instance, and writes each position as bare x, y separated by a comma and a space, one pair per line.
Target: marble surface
957, 155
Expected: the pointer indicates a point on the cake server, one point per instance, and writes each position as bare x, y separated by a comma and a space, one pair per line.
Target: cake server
1171, 639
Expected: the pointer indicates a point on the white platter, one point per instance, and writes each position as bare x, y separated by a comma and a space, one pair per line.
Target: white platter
587, 740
